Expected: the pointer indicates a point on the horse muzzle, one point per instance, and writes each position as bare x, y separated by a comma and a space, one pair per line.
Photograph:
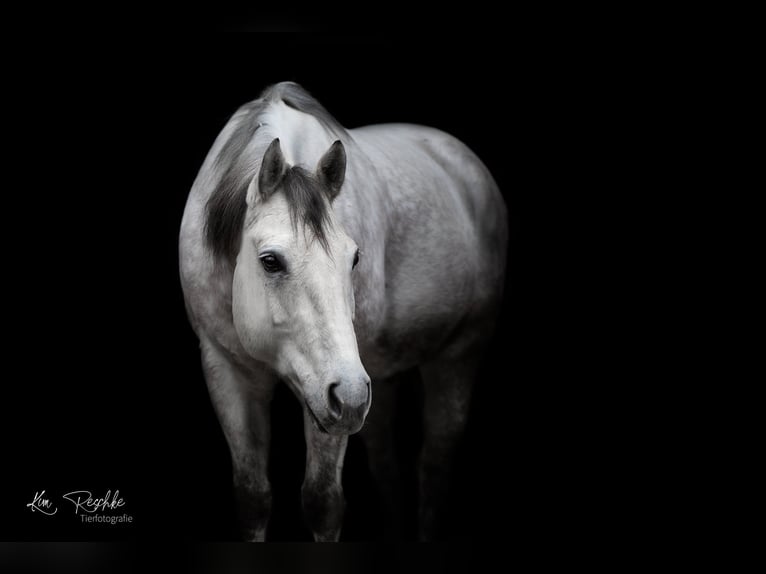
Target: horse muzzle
345, 407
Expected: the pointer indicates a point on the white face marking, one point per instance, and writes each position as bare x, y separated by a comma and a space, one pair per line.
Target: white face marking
293, 307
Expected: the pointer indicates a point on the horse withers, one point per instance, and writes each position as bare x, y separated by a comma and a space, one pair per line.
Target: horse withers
334, 260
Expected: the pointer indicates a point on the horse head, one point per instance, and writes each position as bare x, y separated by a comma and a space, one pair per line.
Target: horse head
293, 296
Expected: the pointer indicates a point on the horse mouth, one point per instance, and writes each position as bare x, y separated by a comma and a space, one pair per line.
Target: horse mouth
316, 420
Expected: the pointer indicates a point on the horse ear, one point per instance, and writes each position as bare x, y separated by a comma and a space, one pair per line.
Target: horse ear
272, 169
332, 168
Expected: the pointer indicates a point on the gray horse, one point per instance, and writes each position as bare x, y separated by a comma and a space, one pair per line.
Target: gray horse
328, 258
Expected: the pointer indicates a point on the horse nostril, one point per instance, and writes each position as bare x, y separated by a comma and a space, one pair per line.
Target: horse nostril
334, 402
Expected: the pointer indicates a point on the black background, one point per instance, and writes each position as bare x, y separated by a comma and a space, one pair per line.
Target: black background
102, 370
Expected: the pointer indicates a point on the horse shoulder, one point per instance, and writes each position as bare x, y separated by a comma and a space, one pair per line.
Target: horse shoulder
206, 283
437, 196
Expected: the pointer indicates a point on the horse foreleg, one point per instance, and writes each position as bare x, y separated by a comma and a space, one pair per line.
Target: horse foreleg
323, 502
242, 403
446, 400
378, 436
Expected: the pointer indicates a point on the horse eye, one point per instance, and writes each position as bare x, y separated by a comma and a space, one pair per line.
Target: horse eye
270, 263
356, 259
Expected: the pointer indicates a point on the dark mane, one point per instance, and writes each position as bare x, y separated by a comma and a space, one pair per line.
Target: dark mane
239, 162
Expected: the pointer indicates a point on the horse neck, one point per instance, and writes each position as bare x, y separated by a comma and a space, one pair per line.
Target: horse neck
302, 137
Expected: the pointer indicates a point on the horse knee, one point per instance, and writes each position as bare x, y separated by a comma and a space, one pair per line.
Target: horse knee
323, 507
